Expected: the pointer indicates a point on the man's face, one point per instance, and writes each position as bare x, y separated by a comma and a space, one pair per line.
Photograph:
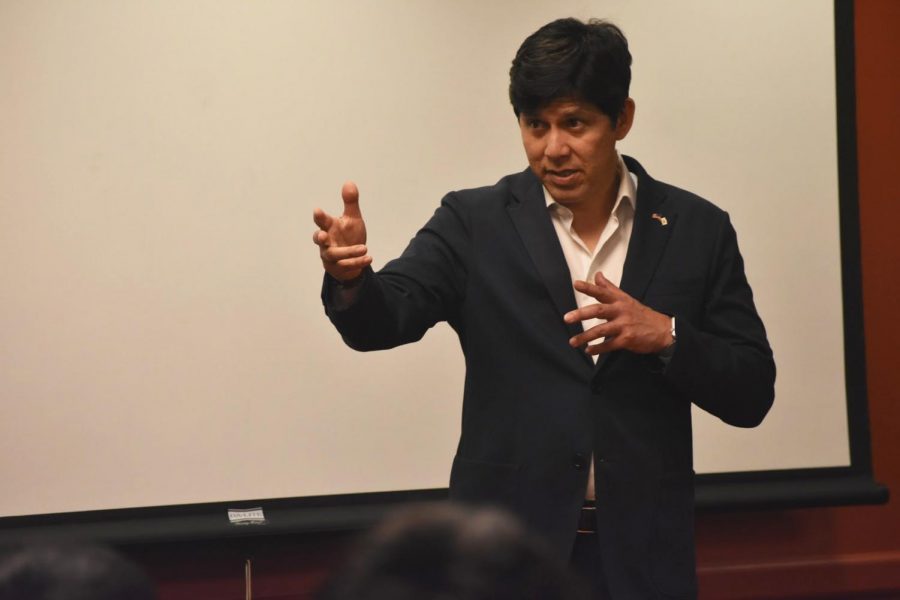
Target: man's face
571, 147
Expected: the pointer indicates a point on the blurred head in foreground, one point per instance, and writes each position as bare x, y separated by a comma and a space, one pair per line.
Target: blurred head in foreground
448, 552
70, 572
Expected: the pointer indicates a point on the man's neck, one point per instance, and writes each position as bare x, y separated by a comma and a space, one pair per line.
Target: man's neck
590, 219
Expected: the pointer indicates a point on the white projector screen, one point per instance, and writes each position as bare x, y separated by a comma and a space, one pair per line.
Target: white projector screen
162, 340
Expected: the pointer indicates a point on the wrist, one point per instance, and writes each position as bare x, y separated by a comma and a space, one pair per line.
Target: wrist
670, 336
349, 282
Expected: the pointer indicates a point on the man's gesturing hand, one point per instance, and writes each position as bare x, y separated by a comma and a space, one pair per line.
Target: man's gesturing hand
341, 240
629, 324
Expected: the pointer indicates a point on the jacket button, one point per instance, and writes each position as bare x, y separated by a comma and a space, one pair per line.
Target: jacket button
579, 462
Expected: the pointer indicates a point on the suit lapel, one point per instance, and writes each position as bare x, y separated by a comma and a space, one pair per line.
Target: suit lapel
528, 212
653, 224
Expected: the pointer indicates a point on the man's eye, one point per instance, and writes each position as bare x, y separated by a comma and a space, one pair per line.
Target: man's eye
534, 124
573, 123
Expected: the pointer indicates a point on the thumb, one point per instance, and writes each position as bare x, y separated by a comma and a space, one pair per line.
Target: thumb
350, 194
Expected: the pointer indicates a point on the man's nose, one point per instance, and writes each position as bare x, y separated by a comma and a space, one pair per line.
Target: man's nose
557, 144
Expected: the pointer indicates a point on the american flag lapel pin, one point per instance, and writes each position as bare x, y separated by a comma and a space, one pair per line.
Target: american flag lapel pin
662, 220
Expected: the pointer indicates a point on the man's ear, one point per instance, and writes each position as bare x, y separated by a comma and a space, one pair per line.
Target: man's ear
625, 120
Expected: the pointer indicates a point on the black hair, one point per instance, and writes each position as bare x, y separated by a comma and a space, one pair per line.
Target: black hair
441, 552
570, 59
70, 571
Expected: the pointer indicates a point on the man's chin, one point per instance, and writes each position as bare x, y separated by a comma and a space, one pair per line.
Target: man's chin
563, 195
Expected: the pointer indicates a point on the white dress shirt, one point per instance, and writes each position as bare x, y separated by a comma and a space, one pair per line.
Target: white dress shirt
608, 256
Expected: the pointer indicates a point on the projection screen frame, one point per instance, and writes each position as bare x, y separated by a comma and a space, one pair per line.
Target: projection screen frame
771, 489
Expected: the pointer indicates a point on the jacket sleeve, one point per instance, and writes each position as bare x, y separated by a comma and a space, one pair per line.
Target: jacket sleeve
399, 303
722, 362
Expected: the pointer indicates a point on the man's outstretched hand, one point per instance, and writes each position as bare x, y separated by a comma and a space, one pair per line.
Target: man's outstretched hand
342, 240
629, 324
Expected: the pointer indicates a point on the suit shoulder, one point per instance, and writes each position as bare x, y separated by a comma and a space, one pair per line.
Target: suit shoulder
498, 194
689, 203
673, 197
683, 198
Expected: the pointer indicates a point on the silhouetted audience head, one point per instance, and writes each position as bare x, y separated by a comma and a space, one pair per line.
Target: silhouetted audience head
70, 572
448, 552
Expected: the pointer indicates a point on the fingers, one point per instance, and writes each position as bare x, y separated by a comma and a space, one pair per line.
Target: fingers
350, 195
607, 345
322, 219
628, 325
601, 289
340, 253
341, 240
344, 263
603, 330
344, 256
348, 268
593, 311
601, 280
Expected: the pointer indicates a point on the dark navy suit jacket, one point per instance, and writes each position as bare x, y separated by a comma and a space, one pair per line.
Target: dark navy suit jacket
535, 409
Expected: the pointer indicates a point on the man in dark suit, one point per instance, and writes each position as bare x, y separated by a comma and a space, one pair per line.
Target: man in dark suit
594, 305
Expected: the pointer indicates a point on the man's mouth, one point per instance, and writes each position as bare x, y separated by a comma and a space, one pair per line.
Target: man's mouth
561, 177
